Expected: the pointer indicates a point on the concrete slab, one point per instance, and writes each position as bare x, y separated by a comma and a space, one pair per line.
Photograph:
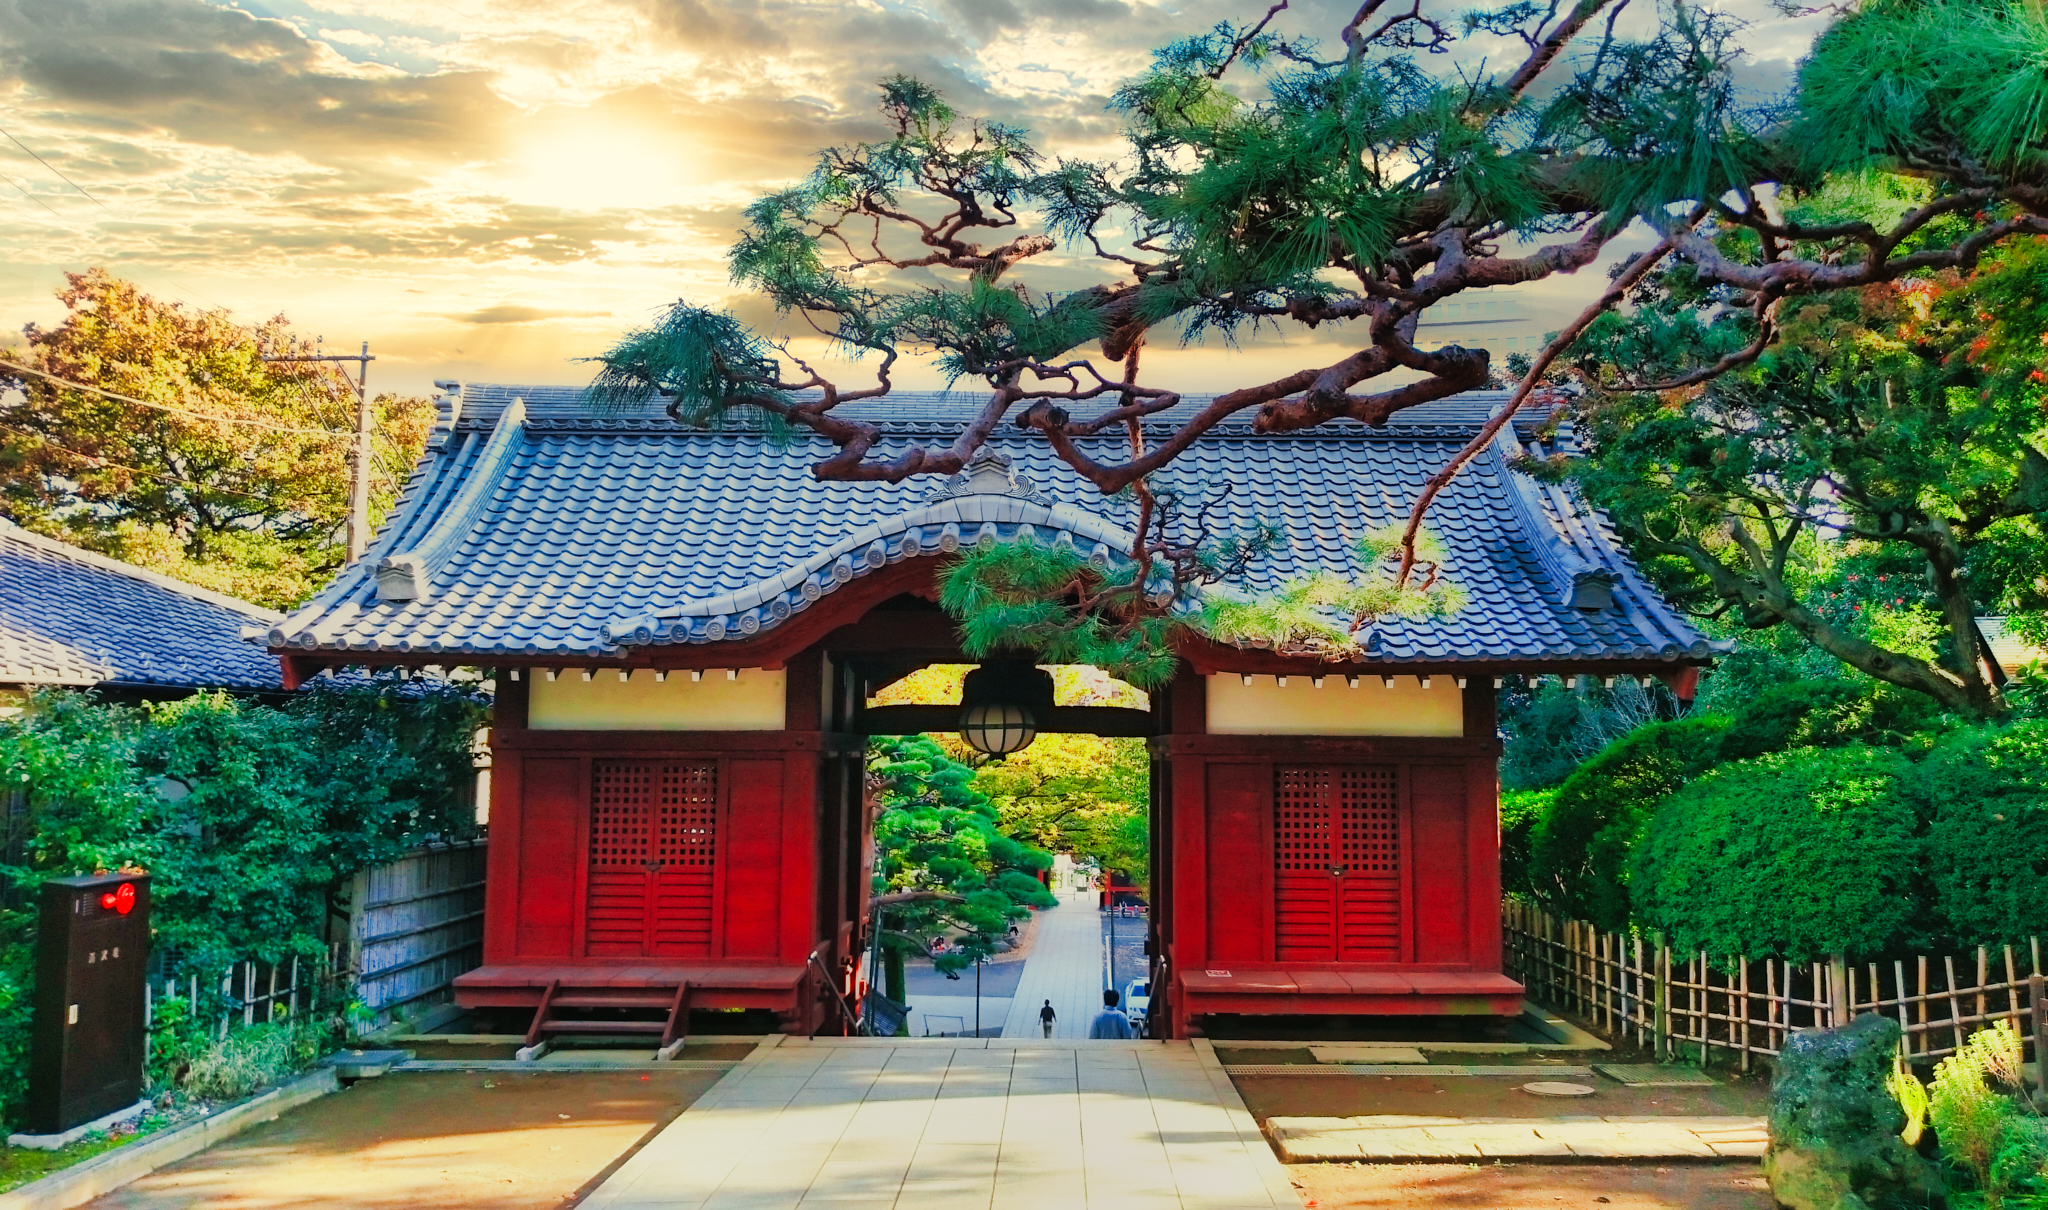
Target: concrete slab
1399, 1139
1654, 1075
1367, 1054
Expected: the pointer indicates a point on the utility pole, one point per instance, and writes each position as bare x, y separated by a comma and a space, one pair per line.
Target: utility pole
359, 457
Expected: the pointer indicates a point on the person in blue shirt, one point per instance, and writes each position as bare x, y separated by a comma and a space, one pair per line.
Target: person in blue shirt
1111, 1022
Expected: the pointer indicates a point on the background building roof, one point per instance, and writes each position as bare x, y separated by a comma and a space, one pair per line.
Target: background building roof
536, 527
71, 617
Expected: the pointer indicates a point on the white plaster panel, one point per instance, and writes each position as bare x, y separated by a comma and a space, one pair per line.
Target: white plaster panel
1266, 707
755, 702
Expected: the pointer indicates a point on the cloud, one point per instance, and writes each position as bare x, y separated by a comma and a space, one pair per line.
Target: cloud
213, 76
512, 313
591, 153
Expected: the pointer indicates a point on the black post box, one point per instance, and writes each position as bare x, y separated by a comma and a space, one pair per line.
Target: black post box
92, 947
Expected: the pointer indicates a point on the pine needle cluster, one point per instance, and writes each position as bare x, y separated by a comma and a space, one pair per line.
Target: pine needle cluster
1063, 608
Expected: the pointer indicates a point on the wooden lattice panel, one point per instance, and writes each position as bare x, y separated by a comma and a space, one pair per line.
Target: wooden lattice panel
1301, 821
1337, 864
687, 832
1369, 820
621, 815
653, 856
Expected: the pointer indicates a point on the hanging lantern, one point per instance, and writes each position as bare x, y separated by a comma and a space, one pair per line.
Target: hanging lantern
1003, 703
998, 729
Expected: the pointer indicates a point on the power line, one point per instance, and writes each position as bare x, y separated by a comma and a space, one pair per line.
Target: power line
30, 196
164, 407
60, 173
211, 301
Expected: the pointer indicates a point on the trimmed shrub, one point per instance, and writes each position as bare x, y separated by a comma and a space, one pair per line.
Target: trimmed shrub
1579, 847
1796, 855
1519, 811
1802, 714
1985, 793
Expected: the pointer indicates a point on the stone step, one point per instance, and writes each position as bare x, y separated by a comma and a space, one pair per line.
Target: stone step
1309, 1140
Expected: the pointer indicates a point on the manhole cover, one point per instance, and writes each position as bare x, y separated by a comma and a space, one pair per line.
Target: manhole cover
1654, 1075
1553, 1088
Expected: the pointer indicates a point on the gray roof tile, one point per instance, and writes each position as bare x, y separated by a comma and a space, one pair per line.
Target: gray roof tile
608, 529
71, 617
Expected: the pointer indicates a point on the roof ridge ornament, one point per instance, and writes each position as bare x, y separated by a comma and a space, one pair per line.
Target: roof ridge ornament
988, 473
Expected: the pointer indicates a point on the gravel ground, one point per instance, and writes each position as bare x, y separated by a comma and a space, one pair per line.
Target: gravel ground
473, 1141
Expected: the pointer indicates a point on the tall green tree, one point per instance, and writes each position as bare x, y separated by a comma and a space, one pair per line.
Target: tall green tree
248, 818
1274, 184
1088, 795
237, 479
936, 832
1875, 482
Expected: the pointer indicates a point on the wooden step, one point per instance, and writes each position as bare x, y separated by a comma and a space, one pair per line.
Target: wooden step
658, 1001
603, 1027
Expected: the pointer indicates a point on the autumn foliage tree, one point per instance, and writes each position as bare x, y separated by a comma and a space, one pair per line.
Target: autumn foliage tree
232, 473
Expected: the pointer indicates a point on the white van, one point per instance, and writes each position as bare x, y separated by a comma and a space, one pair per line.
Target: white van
1137, 1002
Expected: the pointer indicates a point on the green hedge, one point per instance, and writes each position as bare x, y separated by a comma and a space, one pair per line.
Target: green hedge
1578, 848
1519, 811
1984, 793
279, 806
1794, 855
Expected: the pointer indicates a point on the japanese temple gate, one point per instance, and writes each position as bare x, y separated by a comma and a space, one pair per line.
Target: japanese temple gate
686, 631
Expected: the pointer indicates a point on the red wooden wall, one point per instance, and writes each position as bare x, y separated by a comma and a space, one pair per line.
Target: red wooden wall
1228, 899
764, 878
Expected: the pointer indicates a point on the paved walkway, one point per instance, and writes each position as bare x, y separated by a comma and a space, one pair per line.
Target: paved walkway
1585, 1136
1065, 967
937, 1124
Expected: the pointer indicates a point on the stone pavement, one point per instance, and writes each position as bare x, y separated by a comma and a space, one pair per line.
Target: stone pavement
955, 1014
1320, 1140
934, 1124
1065, 967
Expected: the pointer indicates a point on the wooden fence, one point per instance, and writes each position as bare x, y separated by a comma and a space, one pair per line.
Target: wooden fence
1693, 1005
249, 993
413, 925
410, 927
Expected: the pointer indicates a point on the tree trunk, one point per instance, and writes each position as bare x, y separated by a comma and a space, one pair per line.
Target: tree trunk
892, 982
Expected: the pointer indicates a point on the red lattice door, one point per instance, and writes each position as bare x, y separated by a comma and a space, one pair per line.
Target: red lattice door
653, 855
1337, 865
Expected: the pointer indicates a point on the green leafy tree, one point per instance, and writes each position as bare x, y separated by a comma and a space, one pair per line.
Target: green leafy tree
238, 480
1519, 812
1272, 184
936, 832
1553, 727
1984, 793
1874, 483
1579, 845
249, 818
1087, 795
1797, 855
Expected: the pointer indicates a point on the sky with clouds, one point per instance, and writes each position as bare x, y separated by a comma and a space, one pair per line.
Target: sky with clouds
488, 189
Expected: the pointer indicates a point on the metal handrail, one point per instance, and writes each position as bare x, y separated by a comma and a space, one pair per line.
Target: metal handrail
845, 1009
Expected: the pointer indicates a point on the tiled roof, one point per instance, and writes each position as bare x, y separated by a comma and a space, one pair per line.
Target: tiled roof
537, 527
2011, 651
71, 617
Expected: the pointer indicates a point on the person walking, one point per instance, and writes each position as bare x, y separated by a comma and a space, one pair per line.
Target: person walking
1046, 1018
1111, 1022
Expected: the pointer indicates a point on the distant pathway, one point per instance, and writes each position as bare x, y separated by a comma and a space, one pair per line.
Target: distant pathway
1065, 967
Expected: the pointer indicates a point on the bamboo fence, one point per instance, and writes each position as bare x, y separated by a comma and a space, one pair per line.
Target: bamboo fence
250, 992
1636, 990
